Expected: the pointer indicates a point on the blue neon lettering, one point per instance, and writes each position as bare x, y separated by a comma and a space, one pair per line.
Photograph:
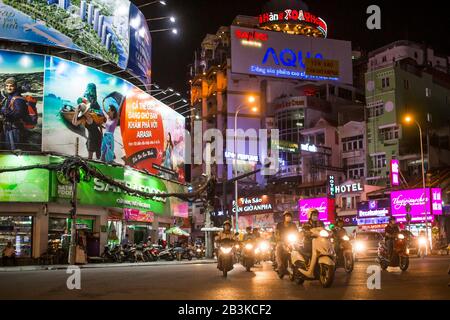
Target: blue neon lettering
291, 61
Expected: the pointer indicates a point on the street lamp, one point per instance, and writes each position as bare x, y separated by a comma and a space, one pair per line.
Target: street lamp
173, 94
409, 120
251, 100
171, 18
153, 2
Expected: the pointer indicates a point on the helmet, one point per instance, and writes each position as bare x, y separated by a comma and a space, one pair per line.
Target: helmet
312, 211
392, 219
227, 222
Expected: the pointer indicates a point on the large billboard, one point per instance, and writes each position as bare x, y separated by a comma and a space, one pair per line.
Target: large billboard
419, 203
105, 118
99, 193
325, 207
281, 55
21, 85
100, 28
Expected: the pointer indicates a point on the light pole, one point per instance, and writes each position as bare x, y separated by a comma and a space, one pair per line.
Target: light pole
171, 18
153, 2
250, 100
174, 30
408, 120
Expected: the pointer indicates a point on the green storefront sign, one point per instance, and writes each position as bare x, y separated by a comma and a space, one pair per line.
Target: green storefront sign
24, 186
99, 193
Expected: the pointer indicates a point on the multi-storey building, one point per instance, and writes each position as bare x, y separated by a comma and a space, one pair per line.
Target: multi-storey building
406, 78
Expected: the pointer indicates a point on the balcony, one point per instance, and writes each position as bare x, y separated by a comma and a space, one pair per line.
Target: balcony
352, 154
290, 171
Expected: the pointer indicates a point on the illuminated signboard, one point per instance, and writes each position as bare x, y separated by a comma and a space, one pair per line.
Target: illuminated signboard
284, 56
308, 147
254, 205
373, 209
347, 188
331, 187
322, 68
395, 172
294, 16
325, 207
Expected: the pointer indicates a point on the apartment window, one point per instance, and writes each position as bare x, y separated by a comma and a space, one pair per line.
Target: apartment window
385, 82
427, 92
320, 139
390, 133
352, 143
379, 161
384, 59
416, 55
376, 110
355, 171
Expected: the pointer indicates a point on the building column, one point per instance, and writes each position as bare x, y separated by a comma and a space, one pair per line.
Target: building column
155, 229
100, 221
40, 232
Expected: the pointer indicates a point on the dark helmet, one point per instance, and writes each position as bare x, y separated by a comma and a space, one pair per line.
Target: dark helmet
287, 213
312, 211
392, 219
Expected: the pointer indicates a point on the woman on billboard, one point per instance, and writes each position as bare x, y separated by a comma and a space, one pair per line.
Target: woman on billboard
112, 119
83, 116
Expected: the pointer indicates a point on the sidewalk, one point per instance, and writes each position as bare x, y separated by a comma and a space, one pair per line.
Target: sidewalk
106, 265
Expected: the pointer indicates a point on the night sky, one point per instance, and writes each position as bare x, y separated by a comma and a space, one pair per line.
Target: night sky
346, 20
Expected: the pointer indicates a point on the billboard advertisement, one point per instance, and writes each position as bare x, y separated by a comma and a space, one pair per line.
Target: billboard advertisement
22, 85
100, 193
374, 209
105, 118
281, 55
420, 202
325, 207
24, 186
106, 29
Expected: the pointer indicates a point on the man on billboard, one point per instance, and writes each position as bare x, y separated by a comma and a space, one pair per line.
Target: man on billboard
14, 113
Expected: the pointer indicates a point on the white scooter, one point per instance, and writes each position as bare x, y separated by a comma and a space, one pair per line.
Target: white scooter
320, 266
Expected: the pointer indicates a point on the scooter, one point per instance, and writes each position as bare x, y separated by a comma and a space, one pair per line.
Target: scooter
109, 255
263, 251
167, 254
199, 252
422, 251
399, 256
320, 265
150, 253
344, 254
225, 256
248, 255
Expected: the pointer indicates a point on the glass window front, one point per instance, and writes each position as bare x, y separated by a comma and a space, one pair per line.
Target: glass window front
19, 231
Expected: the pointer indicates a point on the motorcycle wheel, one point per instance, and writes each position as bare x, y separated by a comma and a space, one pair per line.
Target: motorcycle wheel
404, 263
326, 275
384, 264
225, 273
348, 263
179, 256
189, 257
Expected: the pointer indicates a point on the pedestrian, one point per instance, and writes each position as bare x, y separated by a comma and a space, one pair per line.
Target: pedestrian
9, 253
125, 241
14, 112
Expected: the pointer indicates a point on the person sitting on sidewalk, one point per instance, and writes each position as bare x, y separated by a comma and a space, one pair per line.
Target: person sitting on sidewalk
9, 253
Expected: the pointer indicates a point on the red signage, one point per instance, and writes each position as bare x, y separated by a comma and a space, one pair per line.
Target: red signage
294, 15
251, 35
139, 216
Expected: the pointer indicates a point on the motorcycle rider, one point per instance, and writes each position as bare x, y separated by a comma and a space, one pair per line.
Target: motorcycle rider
391, 231
338, 233
227, 233
248, 234
281, 233
313, 222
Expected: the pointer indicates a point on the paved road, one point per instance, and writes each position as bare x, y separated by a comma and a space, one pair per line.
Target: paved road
426, 279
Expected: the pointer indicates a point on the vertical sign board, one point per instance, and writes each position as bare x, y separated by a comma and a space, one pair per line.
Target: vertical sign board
395, 172
331, 187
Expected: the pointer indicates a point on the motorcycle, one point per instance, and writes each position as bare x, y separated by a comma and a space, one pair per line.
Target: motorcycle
317, 265
183, 253
110, 255
344, 254
248, 258
422, 247
263, 251
199, 252
225, 256
287, 246
150, 253
399, 256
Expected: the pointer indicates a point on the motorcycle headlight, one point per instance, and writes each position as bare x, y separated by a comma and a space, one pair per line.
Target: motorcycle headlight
401, 236
324, 234
236, 246
292, 238
422, 241
359, 246
225, 250
199, 250
257, 251
264, 246
345, 238
249, 246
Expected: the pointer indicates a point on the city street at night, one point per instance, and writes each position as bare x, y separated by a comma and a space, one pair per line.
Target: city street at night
425, 279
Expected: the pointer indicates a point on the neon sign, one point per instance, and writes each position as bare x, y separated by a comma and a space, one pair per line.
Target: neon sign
289, 58
395, 172
292, 15
251, 35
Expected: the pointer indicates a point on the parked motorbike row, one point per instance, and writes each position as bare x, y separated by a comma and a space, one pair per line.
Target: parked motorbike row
149, 253
328, 253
